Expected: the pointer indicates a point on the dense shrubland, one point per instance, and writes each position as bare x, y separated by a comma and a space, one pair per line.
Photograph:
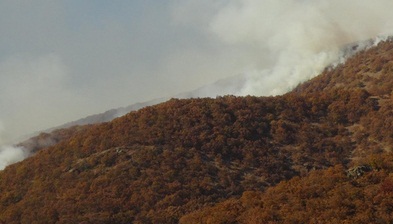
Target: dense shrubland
225, 160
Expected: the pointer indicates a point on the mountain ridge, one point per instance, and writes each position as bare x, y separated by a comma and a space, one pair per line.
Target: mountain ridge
221, 87
184, 160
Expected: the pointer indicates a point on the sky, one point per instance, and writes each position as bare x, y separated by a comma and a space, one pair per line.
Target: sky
61, 60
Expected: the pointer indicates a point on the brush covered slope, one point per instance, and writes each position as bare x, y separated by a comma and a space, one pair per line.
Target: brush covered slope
362, 194
224, 160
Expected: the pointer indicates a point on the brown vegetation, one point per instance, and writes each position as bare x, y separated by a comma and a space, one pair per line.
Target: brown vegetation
225, 160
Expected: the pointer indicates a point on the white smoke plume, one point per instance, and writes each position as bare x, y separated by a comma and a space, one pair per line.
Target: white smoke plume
10, 154
298, 37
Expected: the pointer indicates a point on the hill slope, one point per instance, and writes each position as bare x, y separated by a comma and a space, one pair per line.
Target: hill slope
160, 163
334, 195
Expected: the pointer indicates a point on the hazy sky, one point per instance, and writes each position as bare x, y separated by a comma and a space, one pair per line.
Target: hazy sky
61, 60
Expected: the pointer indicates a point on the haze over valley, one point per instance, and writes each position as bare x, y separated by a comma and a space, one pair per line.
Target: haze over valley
64, 60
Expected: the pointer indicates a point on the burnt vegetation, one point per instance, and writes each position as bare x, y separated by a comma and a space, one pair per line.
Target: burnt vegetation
281, 159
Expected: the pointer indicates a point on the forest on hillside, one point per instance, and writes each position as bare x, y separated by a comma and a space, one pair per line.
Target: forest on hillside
225, 160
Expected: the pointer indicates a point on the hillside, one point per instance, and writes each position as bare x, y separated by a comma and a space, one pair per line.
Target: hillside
224, 160
333, 195
323, 196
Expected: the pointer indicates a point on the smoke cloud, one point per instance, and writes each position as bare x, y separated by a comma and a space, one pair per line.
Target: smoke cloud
299, 37
10, 154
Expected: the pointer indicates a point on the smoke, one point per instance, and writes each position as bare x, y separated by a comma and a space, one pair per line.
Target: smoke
299, 37
10, 154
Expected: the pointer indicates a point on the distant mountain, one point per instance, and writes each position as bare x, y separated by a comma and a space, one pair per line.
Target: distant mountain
53, 135
218, 88
222, 87
319, 154
108, 115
